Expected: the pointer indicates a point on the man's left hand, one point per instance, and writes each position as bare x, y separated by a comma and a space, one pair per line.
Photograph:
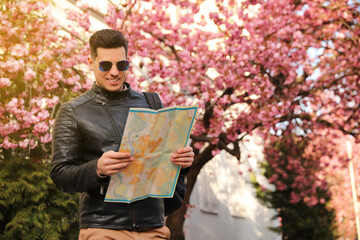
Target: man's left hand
184, 157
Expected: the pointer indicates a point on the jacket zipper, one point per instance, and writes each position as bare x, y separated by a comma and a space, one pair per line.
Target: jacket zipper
134, 225
103, 103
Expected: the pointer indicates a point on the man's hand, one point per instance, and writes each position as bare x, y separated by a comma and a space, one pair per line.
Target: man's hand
112, 162
184, 157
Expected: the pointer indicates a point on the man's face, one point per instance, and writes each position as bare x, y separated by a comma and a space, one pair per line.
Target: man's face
113, 79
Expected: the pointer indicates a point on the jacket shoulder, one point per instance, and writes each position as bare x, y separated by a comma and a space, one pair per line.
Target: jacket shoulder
81, 100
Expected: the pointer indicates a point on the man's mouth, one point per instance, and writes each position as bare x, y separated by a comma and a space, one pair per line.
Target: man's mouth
113, 79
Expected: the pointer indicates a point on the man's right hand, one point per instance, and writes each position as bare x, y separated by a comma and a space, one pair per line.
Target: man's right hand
112, 162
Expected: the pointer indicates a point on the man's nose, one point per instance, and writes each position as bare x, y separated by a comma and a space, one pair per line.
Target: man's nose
114, 70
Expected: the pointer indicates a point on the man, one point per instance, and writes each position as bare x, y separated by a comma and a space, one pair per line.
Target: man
87, 135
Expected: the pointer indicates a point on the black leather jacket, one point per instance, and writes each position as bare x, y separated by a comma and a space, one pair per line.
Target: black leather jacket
84, 129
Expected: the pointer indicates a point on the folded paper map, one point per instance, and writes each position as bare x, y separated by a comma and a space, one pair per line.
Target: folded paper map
151, 136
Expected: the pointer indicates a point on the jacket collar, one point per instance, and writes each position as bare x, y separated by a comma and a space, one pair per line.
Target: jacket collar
111, 95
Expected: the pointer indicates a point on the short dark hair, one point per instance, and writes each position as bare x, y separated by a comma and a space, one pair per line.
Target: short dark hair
107, 38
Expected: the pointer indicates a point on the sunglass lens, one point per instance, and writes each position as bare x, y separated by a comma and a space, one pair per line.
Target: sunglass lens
105, 66
123, 65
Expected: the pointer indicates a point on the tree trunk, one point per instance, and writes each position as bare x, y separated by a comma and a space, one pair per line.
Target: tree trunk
175, 221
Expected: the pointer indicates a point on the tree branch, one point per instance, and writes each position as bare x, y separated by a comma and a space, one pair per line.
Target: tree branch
128, 12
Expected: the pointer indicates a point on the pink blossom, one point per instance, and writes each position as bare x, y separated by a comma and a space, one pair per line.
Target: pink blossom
46, 138
72, 80
312, 201
36, 101
280, 186
11, 127
273, 178
29, 74
14, 104
24, 143
88, 84
69, 62
198, 145
13, 66
41, 127
51, 103
43, 115
215, 152
19, 50
5, 82
76, 87
294, 198
7, 144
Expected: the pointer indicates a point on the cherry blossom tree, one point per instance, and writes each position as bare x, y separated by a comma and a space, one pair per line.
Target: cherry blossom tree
277, 65
332, 153
40, 66
273, 66
301, 216
312, 180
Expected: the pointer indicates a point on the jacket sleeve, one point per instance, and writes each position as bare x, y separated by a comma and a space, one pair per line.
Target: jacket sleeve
68, 172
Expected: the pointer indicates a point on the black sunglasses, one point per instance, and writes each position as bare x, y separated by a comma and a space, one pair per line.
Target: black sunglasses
105, 66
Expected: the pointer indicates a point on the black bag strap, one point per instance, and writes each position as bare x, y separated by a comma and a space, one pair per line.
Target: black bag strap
174, 203
153, 100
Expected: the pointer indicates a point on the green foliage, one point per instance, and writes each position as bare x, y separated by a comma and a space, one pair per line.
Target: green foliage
298, 220
30, 205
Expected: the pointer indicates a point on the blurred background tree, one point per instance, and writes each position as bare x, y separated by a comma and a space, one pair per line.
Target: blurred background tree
301, 217
39, 68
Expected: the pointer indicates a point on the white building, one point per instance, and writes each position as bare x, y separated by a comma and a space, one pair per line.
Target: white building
225, 206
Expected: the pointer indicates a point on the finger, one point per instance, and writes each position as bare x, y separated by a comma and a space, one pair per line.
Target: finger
183, 155
112, 154
122, 155
116, 167
114, 161
182, 161
120, 166
185, 149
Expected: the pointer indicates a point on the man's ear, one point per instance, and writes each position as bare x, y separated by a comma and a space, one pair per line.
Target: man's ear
91, 63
